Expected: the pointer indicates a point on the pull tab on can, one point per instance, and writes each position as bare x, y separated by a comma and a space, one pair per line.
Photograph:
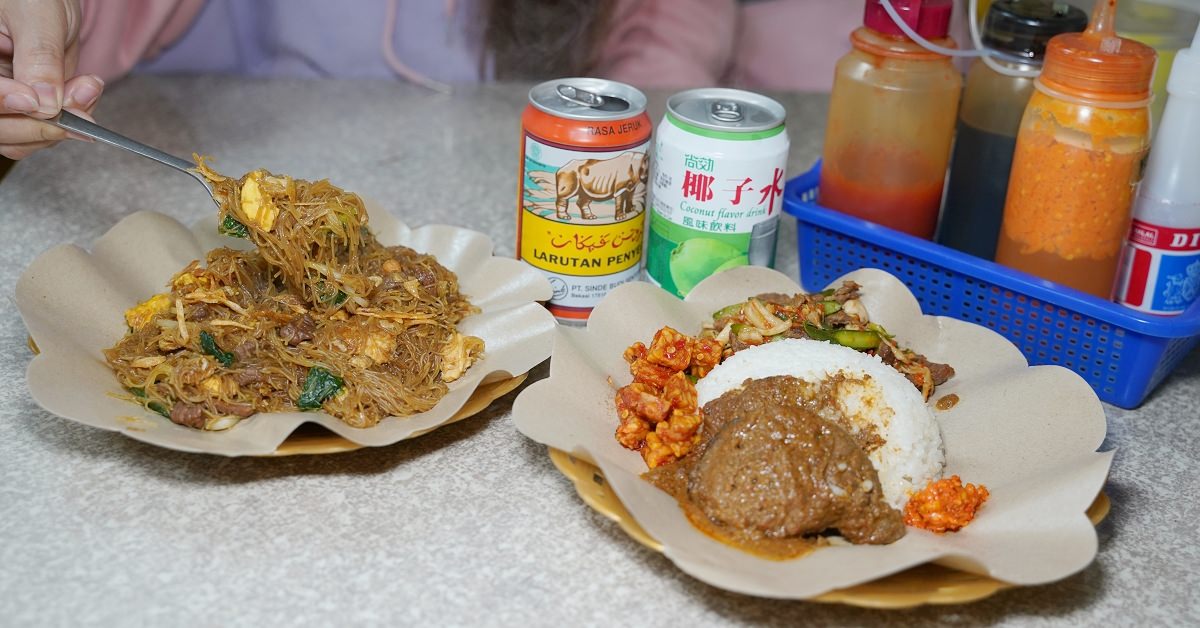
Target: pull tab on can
580, 96
726, 111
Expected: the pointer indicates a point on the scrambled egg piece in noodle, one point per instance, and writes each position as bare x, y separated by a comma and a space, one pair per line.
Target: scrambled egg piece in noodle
256, 205
147, 311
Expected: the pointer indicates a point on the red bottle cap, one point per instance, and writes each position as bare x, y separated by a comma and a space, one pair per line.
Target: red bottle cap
929, 18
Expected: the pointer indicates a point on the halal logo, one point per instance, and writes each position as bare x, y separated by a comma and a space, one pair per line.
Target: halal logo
560, 288
535, 151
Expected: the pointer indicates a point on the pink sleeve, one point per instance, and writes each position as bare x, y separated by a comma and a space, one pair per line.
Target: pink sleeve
669, 43
117, 34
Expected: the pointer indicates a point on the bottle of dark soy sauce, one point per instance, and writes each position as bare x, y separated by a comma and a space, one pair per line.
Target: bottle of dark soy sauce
990, 116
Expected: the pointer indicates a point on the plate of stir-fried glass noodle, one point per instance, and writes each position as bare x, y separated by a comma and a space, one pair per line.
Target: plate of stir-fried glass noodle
293, 304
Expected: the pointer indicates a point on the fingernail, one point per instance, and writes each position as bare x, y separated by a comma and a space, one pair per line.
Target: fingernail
49, 100
20, 103
84, 95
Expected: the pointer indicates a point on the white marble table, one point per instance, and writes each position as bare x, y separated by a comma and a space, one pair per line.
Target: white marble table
470, 524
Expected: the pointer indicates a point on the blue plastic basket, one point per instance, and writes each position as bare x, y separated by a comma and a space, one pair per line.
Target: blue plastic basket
1123, 354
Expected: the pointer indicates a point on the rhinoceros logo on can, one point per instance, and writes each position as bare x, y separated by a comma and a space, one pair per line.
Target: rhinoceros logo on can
621, 179
616, 184
582, 219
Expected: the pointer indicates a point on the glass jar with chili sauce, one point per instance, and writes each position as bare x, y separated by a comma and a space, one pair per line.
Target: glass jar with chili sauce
1079, 158
891, 120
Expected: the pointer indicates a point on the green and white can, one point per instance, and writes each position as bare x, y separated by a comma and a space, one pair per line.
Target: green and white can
720, 158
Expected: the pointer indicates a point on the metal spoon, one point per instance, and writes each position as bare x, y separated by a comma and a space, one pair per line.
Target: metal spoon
70, 122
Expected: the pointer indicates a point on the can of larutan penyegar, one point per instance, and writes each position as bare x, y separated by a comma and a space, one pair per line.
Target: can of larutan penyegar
582, 197
720, 157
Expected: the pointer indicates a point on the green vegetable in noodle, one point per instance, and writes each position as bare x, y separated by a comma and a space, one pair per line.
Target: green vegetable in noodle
748, 334
153, 406
231, 227
860, 340
852, 338
728, 311
831, 307
325, 295
319, 385
209, 344
876, 327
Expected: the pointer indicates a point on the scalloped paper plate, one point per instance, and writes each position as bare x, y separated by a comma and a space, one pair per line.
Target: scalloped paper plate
923, 584
1030, 434
73, 304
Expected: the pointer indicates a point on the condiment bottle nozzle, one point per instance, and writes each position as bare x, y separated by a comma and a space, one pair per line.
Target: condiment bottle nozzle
1103, 26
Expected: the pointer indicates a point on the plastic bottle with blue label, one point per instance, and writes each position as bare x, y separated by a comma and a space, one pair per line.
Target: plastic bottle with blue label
1160, 268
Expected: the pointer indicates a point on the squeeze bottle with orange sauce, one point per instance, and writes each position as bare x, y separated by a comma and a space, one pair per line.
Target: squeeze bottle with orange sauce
891, 120
1079, 158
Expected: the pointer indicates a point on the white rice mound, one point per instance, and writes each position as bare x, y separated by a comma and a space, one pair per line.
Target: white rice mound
872, 394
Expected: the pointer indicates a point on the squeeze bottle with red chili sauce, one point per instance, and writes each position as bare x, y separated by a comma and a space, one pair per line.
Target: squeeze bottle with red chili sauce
891, 120
1079, 158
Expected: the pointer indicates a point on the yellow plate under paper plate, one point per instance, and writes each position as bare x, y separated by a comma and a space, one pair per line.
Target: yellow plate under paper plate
924, 584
